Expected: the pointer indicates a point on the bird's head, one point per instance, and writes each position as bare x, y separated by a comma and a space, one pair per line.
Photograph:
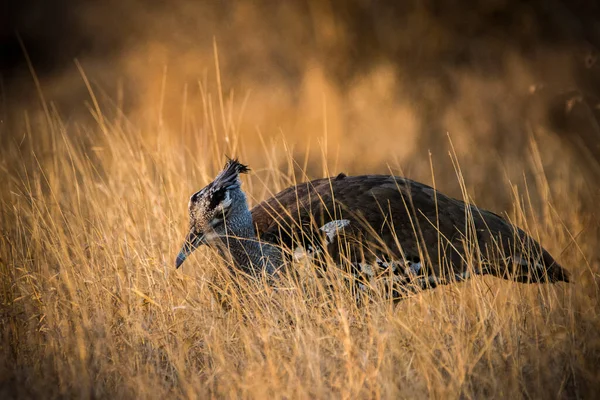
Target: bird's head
214, 208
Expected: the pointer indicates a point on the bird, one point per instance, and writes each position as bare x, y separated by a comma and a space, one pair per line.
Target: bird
378, 225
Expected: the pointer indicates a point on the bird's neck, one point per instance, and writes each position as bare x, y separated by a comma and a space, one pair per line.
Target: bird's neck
248, 252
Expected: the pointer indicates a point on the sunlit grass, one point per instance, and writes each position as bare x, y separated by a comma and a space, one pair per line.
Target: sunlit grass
92, 217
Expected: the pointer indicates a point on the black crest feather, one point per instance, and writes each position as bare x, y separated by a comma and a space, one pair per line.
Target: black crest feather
228, 178
233, 163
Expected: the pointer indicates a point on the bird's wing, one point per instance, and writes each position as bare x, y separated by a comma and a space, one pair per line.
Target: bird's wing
377, 207
397, 218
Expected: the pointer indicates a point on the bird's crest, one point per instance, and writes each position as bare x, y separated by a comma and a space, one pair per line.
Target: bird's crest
229, 178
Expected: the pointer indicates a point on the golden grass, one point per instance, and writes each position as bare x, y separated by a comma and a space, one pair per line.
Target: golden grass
92, 217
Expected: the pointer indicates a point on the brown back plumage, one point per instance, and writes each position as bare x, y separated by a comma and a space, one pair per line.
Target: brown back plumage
393, 217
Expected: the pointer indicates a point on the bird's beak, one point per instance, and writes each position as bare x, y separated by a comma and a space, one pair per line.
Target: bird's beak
192, 241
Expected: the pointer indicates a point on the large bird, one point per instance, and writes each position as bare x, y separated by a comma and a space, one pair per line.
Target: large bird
379, 225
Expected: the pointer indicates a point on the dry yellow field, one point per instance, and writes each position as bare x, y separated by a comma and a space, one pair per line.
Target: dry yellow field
93, 212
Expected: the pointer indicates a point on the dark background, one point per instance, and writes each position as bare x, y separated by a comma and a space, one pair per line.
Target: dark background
429, 44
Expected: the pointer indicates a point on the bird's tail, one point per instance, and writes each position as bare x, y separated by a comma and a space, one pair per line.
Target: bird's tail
523, 259
542, 269
554, 271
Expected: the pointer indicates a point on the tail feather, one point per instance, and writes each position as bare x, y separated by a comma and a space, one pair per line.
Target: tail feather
543, 270
537, 265
556, 273
528, 268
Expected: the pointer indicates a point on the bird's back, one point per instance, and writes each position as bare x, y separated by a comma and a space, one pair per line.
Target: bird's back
399, 218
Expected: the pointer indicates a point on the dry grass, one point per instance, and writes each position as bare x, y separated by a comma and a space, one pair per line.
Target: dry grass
92, 216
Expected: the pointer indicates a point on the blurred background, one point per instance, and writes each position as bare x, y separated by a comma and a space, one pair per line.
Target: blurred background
371, 85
